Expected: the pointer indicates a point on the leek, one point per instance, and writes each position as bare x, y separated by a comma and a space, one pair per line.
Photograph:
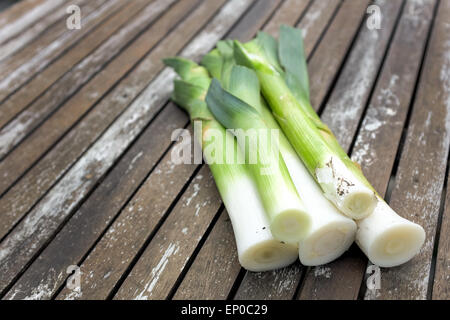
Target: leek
386, 238
281, 70
331, 234
257, 249
288, 218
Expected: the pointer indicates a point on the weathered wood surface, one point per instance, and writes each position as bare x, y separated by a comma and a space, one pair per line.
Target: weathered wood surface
388, 107
23, 15
85, 146
22, 66
283, 283
22, 124
25, 36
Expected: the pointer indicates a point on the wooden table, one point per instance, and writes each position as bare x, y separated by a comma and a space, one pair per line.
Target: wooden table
85, 146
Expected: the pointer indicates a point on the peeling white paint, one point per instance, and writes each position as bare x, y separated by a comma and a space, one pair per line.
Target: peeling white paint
47, 215
26, 36
12, 134
16, 26
43, 55
157, 271
322, 271
311, 17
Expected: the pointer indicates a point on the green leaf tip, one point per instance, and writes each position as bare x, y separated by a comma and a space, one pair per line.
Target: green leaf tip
213, 62
229, 110
292, 58
188, 70
191, 98
244, 84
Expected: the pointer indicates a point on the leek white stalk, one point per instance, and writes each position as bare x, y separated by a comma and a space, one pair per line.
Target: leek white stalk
387, 239
289, 220
331, 233
257, 249
281, 70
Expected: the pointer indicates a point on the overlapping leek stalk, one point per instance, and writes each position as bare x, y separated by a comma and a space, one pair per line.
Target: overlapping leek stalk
331, 233
257, 249
386, 238
281, 69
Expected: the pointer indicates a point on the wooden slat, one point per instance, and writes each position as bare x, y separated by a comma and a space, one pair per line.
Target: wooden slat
337, 41
101, 156
263, 11
68, 64
23, 16
43, 175
52, 130
118, 32
388, 107
288, 13
379, 139
131, 177
421, 171
351, 92
21, 67
314, 23
17, 10
254, 19
69, 113
331, 49
441, 285
215, 268
272, 285
48, 272
259, 13
209, 266
174, 241
31, 33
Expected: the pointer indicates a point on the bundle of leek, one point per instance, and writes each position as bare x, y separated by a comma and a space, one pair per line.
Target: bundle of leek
386, 238
242, 105
257, 249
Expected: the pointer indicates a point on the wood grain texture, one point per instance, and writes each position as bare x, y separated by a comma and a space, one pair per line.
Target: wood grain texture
159, 266
288, 13
337, 41
226, 265
94, 185
387, 109
441, 285
253, 285
421, 172
21, 67
20, 17
80, 233
16, 11
254, 19
115, 251
45, 136
25, 103
47, 171
101, 156
215, 268
31, 33
315, 22
353, 87
118, 33
272, 285
117, 187
262, 13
